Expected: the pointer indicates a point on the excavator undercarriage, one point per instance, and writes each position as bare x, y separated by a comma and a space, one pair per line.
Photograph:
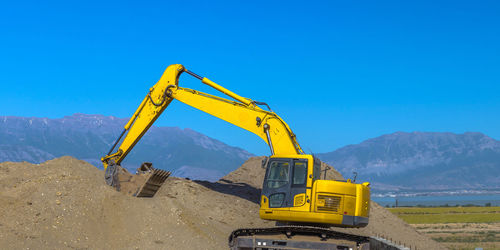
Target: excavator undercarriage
295, 237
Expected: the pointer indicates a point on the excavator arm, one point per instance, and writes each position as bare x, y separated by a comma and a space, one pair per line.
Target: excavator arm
242, 112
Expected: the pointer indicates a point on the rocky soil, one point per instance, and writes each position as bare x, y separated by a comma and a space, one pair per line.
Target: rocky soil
65, 204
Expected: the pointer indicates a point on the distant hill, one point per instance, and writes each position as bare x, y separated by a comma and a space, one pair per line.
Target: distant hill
395, 162
422, 161
88, 137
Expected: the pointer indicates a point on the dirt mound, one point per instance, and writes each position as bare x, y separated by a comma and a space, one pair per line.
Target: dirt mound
382, 222
64, 203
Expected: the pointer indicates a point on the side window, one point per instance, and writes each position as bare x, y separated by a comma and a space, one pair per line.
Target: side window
299, 173
278, 174
317, 170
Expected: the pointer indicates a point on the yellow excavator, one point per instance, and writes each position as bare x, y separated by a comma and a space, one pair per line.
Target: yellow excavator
293, 192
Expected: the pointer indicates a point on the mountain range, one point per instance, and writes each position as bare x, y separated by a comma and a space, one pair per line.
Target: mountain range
89, 137
399, 161
422, 161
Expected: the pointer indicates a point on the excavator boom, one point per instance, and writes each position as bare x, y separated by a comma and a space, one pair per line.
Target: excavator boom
242, 112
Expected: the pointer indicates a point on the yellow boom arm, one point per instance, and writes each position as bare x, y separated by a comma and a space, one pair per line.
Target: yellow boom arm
242, 112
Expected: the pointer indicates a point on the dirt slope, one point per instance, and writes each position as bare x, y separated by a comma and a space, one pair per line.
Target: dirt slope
64, 203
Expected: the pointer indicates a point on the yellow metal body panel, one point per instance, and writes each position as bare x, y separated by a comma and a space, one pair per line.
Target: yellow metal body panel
350, 205
363, 200
343, 197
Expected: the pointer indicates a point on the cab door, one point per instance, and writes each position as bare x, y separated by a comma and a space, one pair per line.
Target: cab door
277, 182
285, 182
298, 183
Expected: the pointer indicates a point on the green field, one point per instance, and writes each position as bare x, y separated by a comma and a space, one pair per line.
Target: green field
455, 227
429, 215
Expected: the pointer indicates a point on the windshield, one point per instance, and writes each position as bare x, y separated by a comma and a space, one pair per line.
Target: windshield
278, 174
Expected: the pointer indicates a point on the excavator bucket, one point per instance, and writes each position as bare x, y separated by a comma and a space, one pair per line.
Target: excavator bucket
145, 183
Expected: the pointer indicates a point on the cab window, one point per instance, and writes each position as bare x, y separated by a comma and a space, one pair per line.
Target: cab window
278, 174
299, 173
317, 170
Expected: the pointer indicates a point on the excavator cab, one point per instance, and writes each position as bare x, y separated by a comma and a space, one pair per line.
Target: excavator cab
293, 191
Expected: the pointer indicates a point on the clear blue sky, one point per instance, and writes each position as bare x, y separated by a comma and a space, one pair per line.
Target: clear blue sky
338, 72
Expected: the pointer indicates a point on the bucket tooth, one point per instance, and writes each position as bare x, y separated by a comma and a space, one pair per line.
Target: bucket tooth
155, 180
145, 183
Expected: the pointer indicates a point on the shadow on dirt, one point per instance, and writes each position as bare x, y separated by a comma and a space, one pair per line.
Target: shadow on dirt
241, 190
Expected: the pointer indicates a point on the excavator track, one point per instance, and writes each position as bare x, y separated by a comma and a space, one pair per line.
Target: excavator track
305, 237
295, 237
